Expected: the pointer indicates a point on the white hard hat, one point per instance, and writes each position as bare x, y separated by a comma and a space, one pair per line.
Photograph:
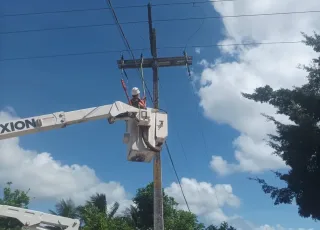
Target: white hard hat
135, 91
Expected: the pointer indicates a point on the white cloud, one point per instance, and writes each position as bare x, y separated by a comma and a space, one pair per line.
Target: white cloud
222, 82
279, 227
241, 224
204, 199
50, 179
197, 50
207, 201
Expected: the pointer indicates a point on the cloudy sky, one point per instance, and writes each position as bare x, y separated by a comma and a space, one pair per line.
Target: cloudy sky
215, 135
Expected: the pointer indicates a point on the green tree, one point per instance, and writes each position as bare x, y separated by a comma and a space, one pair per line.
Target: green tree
120, 223
95, 214
131, 216
16, 198
298, 144
95, 219
141, 215
223, 226
182, 220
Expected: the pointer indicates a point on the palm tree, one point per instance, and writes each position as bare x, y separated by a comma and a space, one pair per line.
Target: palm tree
95, 214
92, 212
66, 208
223, 226
131, 215
99, 200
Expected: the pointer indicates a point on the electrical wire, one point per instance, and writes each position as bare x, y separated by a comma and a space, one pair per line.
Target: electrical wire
192, 2
187, 161
199, 115
141, 49
115, 7
185, 155
177, 176
196, 31
182, 146
163, 20
235, 16
233, 44
203, 136
59, 55
124, 38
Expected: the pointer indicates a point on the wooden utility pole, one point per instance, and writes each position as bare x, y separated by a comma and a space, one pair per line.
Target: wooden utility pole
155, 63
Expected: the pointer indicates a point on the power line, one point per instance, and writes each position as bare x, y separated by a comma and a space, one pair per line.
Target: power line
115, 7
197, 30
141, 49
58, 28
182, 146
237, 16
233, 44
192, 2
60, 55
177, 176
186, 158
203, 136
164, 20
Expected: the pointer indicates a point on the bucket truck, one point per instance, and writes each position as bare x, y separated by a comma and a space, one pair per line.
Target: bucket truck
146, 129
34, 220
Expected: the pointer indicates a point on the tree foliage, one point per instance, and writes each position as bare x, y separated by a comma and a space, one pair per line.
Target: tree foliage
66, 208
223, 226
16, 198
142, 213
298, 144
95, 214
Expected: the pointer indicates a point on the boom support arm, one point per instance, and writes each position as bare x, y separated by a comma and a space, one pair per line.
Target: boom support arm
32, 220
113, 112
146, 129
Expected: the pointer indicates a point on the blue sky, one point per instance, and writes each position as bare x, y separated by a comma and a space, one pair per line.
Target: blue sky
44, 85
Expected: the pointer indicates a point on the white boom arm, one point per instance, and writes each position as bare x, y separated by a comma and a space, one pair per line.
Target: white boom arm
146, 129
62, 119
34, 220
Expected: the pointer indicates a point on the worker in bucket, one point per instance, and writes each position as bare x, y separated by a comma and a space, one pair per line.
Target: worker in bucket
136, 101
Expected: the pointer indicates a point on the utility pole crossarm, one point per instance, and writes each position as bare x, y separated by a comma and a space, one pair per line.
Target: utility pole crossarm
160, 62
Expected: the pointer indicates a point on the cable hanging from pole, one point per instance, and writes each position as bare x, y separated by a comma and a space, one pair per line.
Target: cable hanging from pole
177, 176
142, 76
124, 86
125, 40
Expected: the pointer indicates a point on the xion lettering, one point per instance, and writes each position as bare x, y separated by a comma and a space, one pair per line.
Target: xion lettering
17, 125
